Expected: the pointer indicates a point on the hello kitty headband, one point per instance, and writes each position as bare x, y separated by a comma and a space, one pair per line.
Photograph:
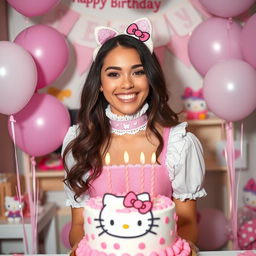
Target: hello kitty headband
140, 29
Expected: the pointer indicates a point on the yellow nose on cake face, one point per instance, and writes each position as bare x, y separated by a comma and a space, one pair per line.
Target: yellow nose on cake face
125, 226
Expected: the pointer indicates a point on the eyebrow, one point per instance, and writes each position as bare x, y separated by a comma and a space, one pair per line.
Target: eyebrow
118, 68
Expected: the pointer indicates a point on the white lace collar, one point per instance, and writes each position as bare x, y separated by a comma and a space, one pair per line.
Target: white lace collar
128, 124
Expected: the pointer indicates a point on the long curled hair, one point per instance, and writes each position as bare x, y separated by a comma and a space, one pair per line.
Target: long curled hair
94, 132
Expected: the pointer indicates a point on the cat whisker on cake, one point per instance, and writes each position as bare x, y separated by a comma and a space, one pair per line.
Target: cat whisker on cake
154, 219
99, 219
153, 225
102, 226
104, 231
152, 232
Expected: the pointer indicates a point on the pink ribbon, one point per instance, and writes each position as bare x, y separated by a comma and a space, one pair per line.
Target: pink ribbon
190, 93
134, 30
131, 200
250, 186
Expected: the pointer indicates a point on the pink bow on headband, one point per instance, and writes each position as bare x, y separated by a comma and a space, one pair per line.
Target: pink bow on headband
190, 93
134, 30
131, 200
250, 186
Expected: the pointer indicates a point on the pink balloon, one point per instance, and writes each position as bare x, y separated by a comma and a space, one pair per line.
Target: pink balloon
213, 229
230, 89
226, 8
31, 8
248, 41
18, 77
49, 49
41, 126
214, 40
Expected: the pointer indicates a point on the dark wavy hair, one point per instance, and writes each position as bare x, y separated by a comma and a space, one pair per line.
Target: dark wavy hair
94, 135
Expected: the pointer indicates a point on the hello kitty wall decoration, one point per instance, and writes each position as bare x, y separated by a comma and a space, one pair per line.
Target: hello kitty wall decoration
194, 104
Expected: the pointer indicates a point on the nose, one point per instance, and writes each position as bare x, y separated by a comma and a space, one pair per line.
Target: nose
125, 226
127, 83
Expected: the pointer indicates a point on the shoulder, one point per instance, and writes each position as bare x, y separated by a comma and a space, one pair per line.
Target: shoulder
181, 138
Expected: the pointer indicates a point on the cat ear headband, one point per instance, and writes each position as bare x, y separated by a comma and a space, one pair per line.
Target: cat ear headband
140, 29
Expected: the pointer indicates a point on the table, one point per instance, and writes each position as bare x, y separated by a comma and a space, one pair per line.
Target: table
46, 225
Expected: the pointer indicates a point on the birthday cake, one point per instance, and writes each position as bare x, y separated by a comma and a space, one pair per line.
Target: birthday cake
131, 225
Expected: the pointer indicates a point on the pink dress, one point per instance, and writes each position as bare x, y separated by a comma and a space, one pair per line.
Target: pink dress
120, 179
180, 173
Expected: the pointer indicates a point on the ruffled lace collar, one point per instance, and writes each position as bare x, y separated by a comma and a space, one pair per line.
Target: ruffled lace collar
128, 124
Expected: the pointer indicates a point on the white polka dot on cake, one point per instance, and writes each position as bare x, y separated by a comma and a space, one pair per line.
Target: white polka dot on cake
250, 229
244, 235
251, 238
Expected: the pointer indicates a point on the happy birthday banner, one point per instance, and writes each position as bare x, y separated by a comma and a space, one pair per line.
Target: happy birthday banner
172, 23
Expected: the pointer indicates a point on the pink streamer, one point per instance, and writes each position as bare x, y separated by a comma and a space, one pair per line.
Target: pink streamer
18, 187
33, 198
230, 159
34, 206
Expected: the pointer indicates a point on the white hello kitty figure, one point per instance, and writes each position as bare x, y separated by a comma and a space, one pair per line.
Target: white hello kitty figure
114, 221
195, 105
14, 208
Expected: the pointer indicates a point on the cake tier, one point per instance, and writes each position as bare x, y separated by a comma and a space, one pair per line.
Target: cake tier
116, 230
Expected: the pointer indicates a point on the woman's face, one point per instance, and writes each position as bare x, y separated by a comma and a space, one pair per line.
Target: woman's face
123, 81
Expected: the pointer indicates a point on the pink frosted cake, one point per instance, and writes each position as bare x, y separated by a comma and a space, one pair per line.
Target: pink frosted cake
131, 225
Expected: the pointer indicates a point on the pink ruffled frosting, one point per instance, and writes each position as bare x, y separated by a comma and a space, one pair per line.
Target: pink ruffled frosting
179, 248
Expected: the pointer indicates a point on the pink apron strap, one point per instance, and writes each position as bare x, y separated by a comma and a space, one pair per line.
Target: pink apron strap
165, 138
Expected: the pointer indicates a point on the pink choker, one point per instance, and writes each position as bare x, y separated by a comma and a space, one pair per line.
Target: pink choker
129, 124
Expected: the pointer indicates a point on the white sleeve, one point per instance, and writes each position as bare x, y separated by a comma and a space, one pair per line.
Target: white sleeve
70, 161
185, 164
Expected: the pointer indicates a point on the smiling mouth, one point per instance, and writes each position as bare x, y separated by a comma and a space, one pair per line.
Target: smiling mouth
126, 97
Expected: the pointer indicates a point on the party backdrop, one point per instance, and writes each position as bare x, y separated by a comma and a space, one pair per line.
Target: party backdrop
172, 21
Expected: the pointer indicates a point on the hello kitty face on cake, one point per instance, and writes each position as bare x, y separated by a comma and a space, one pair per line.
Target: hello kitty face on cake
127, 216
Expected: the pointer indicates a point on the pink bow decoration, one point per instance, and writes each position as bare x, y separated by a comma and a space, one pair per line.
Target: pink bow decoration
190, 93
134, 30
131, 200
250, 186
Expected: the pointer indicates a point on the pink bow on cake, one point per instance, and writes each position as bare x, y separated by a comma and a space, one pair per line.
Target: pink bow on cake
131, 200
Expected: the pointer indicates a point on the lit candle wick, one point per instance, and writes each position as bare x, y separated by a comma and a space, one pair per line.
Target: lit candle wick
142, 177
126, 160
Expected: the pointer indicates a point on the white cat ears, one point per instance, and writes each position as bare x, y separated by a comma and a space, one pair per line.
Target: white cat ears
140, 29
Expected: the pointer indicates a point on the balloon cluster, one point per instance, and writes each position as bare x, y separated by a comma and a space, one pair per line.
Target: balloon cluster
223, 52
36, 58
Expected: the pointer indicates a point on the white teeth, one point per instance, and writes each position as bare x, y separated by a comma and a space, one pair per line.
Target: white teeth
126, 96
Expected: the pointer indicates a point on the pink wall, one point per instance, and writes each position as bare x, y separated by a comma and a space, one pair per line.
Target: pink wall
6, 145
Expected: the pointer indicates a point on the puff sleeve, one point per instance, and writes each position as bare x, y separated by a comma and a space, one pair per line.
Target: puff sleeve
70, 161
185, 163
